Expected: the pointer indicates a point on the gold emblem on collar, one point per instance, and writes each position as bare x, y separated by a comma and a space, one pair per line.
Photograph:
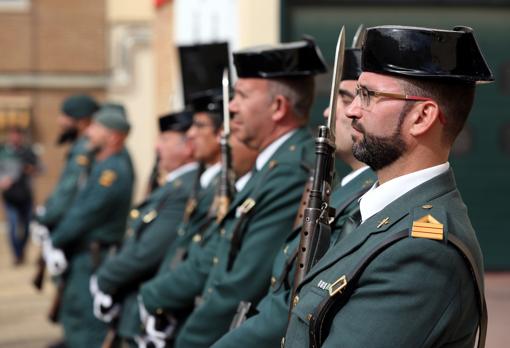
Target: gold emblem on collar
247, 205
337, 286
147, 218
292, 147
272, 164
383, 222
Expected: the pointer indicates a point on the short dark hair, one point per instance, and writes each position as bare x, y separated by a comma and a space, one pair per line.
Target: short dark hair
216, 118
455, 101
300, 91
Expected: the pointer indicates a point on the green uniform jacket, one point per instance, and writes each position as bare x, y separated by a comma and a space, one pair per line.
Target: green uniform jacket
267, 327
185, 262
98, 214
73, 177
416, 293
153, 227
277, 190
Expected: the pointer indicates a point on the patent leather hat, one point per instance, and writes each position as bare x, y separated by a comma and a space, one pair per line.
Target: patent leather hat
177, 121
293, 59
425, 53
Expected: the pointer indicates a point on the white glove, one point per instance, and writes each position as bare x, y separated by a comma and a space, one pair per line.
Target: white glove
162, 333
104, 308
56, 262
93, 287
39, 233
146, 341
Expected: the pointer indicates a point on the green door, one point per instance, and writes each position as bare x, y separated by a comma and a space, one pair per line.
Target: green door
481, 155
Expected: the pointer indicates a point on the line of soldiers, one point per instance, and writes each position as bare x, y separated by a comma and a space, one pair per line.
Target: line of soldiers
403, 266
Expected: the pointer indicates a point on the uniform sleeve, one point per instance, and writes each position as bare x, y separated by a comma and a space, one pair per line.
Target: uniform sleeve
92, 205
415, 294
139, 259
178, 288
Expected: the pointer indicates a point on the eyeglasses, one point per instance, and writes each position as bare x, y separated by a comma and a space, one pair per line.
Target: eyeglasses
365, 95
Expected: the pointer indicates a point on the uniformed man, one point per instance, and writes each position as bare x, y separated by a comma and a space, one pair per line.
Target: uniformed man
152, 228
411, 274
267, 326
75, 117
201, 214
271, 106
95, 222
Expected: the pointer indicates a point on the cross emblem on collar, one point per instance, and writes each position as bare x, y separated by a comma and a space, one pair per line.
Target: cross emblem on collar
383, 222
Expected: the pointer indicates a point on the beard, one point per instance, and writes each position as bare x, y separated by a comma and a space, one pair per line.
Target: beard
67, 136
379, 152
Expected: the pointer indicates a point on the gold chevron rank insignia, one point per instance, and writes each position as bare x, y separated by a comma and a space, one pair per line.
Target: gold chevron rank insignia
427, 227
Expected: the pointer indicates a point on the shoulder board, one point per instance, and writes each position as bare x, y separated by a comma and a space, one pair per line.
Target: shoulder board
428, 222
107, 177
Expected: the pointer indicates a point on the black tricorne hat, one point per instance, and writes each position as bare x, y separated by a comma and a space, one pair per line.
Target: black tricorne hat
176, 121
293, 59
352, 64
425, 53
210, 100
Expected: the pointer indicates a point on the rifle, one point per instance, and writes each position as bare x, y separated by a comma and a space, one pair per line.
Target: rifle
38, 279
57, 301
316, 231
226, 185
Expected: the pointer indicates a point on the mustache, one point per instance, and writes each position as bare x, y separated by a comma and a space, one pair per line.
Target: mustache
357, 126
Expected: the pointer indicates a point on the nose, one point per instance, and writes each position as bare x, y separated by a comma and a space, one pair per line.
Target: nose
232, 107
326, 112
191, 132
353, 110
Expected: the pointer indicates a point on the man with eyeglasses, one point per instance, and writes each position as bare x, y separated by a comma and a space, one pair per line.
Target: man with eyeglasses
266, 326
411, 274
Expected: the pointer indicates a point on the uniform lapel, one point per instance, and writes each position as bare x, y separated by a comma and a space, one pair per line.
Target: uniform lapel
385, 219
297, 138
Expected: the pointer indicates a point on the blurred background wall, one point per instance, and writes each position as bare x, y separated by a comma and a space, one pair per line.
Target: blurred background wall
126, 51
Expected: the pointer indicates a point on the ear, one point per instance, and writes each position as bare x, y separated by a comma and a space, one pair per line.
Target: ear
423, 117
280, 107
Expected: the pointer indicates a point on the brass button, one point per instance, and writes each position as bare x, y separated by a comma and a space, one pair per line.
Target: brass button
427, 206
134, 214
292, 148
273, 281
215, 260
309, 316
197, 238
295, 301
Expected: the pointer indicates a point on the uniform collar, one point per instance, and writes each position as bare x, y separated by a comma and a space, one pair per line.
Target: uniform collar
352, 175
269, 151
209, 174
378, 197
174, 174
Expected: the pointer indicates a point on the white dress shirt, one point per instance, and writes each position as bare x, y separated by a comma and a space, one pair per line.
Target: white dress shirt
378, 197
209, 174
352, 175
174, 174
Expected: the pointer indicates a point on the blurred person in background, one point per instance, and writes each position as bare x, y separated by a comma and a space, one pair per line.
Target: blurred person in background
18, 163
